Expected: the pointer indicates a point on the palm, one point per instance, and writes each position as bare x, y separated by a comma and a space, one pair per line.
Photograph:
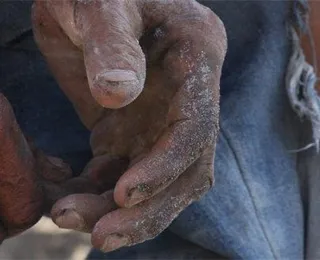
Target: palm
133, 130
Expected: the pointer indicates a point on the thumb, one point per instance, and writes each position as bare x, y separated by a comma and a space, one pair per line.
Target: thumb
114, 60
108, 33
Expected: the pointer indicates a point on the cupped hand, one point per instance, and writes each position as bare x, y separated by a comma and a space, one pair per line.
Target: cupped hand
144, 77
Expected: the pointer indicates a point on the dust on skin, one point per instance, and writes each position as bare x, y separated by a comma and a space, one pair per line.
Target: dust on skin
168, 132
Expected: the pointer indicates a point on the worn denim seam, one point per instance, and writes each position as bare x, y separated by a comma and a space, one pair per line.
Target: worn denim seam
241, 170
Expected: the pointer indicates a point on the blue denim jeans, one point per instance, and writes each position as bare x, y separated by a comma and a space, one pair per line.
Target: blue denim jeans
264, 204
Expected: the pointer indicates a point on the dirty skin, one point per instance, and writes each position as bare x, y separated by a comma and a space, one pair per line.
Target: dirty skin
147, 87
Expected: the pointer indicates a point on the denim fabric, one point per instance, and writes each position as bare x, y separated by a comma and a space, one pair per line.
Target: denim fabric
14, 20
256, 209
166, 246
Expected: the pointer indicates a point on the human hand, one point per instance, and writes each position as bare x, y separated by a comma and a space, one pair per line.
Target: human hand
29, 180
144, 78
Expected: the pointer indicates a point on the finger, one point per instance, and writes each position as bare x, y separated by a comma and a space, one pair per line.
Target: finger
194, 112
54, 192
52, 168
105, 170
129, 226
64, 13
108, 33
100, 174
20, 195
115, 63
82, 211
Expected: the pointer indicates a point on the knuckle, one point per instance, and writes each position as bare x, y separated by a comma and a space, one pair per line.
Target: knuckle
210, 22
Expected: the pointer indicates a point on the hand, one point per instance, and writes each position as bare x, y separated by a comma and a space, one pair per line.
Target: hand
144, 77
28, 178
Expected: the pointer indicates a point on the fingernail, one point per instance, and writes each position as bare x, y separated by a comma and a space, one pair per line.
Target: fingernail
118, 75
69, 219
134, 198
116, 88
115, 241
138, 194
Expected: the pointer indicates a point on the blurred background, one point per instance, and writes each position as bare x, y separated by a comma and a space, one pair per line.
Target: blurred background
46, 241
